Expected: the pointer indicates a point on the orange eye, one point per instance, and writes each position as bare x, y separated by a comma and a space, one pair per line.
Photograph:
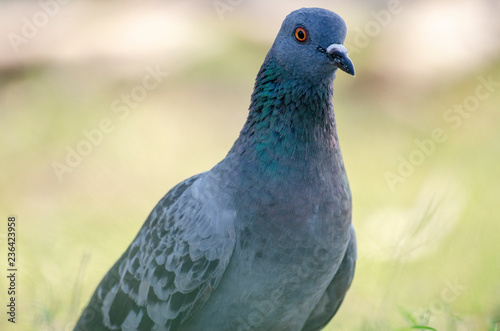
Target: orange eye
301, 34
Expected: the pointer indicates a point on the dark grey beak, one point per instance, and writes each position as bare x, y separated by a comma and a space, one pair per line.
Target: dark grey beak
338, 54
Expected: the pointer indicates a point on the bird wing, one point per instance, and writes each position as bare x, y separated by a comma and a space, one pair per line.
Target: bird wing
335, 292
173, 265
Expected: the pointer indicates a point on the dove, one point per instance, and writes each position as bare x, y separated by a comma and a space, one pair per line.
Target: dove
264, 240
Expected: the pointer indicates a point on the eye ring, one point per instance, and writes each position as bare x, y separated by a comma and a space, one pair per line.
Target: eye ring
300, 34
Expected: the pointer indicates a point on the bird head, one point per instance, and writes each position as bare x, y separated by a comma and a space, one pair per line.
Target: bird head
309, 45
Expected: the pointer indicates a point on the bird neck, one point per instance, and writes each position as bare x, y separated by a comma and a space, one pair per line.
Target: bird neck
289, 121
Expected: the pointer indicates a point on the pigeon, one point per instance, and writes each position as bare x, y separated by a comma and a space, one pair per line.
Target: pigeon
263, 240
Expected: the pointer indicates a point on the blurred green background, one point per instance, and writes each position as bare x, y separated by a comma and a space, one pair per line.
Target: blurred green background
426, 210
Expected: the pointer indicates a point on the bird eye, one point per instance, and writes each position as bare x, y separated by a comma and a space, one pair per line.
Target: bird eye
301, 34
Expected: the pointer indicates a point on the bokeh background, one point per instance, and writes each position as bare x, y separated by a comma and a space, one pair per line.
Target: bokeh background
86, 151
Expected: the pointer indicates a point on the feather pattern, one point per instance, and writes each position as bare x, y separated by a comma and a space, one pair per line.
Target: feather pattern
170, 269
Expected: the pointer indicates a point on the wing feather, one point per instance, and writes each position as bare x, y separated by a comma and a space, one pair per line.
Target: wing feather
334, 295
173, 265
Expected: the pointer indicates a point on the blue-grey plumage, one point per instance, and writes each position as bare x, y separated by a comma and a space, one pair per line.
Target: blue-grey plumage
262, 241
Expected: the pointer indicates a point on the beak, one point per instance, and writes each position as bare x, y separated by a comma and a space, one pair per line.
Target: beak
338, 54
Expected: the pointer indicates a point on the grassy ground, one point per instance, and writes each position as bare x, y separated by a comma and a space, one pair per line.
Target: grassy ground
428, 244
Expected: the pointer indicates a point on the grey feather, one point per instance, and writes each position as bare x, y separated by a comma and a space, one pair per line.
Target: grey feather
329, 304
176, 260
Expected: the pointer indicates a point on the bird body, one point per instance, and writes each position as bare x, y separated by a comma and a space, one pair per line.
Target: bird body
262, 241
